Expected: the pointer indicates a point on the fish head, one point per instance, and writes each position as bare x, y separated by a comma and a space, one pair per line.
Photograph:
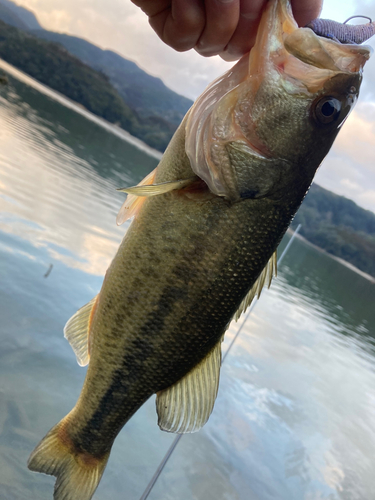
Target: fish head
274, 116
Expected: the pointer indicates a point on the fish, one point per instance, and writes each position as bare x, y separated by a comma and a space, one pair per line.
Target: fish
206, 225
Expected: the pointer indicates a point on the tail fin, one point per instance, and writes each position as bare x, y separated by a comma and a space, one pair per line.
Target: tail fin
78, 474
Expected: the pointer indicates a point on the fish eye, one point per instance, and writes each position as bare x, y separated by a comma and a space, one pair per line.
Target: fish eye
327, 110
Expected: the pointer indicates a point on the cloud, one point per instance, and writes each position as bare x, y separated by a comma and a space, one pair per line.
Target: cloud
121, 26
357, 139
349, 169
57, 19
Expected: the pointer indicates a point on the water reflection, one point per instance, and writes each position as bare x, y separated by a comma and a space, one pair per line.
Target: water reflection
295, 413
343, 297
58, 175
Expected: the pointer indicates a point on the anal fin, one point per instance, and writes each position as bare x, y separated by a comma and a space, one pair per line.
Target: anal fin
186, 405
77, 331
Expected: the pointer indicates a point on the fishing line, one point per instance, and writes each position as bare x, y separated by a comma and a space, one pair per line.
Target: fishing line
355, 17
176, 440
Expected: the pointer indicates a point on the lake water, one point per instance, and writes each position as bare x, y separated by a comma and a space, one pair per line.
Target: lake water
295, 414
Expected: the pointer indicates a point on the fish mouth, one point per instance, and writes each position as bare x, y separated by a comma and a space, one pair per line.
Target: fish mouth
304, 59
285, 59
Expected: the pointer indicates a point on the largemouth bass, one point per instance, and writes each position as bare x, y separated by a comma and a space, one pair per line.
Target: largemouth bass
206, 226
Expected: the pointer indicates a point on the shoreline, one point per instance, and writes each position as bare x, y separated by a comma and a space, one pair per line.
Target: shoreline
338, 259
78, 108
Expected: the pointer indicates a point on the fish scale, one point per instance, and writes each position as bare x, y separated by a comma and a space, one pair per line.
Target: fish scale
207, 223
172, 322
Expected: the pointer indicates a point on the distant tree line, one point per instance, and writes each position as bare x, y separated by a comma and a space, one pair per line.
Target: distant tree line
339, 226
144, 93
52, 65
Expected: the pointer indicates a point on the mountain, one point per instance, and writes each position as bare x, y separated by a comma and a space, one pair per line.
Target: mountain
339, 226
20, 17
146, 94
9, 17
158, 109
52, 65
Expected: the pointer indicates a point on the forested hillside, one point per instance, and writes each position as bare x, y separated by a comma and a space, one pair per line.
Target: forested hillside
144, 93
339, 226
51, 64
158, 108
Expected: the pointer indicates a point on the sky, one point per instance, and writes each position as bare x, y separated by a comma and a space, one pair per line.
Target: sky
119, 25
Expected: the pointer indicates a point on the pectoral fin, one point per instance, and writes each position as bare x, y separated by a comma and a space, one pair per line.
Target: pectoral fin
133, 203
156, 189
265, 277
77, 331
138, 194
187, 404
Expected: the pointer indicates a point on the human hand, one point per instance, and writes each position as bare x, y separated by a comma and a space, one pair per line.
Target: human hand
215, 27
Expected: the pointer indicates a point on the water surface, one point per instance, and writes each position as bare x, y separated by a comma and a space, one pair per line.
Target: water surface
295, 415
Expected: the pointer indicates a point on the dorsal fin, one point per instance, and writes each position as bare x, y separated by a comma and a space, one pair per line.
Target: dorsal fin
265, 277
186, 405
77, 331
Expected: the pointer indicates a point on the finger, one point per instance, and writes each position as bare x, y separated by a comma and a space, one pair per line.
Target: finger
305, 11
181, 25
244, 36
152, 7
221, 22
